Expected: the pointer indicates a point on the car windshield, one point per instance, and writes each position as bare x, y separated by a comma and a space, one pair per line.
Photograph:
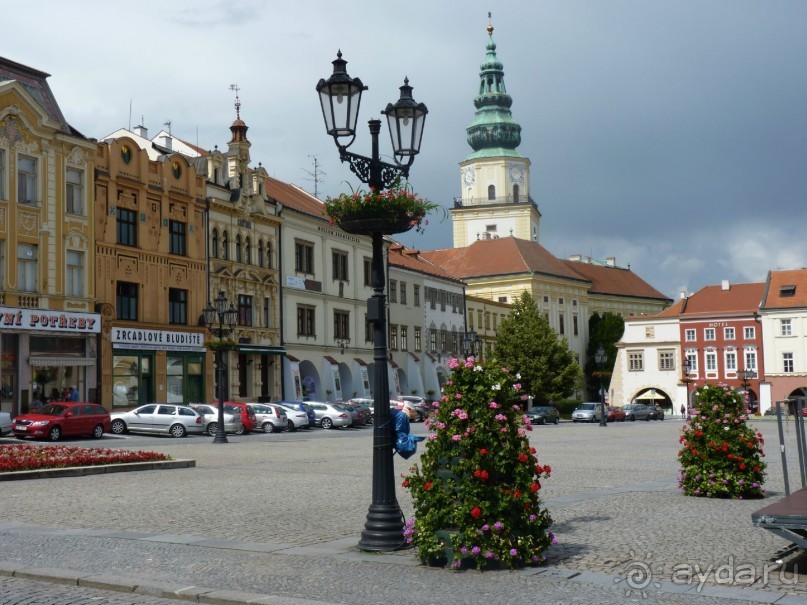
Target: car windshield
52, 410
588, 406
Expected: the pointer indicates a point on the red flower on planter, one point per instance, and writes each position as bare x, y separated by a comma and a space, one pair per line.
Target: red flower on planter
476, 512
522, 457
427, 486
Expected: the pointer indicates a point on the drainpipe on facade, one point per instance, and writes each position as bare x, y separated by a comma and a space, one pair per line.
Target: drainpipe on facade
280, 298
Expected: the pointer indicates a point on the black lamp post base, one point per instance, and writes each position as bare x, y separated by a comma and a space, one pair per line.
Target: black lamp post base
383, 531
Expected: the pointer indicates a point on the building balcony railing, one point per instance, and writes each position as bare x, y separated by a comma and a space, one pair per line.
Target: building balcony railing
460, 202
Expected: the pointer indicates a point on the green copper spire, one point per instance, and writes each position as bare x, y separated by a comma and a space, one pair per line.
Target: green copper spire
493, 131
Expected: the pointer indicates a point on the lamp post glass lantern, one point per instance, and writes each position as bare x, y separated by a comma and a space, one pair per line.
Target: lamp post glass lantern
601, 358
220, 321
472, 344
340, 99
686, 367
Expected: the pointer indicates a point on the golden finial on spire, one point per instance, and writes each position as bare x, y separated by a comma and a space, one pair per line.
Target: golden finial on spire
490, 25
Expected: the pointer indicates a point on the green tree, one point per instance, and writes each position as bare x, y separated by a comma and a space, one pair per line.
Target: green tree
527, 344
603, 331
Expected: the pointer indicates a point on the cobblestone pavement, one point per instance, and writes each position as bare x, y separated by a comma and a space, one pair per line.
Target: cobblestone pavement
278, 516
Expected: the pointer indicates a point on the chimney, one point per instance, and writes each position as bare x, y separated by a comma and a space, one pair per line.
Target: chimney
610, 261
141, 131
724, 285
683, 294
165, 141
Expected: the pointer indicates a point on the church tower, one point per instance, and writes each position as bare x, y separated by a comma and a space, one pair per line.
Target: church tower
495, 178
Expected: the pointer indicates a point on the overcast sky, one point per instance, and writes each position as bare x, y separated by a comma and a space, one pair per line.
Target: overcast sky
671, 135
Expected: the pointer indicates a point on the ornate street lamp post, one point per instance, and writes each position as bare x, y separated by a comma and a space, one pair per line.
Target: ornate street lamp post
221, 321
340, 98
746, 376
471, 343
686, 367
601, 358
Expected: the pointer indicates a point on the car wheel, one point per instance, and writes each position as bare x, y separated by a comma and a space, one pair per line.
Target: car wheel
557, 420
55, 433
268, 427
290, 426
177, 430
240, 430
98, 431
632, 418
212, 428
593, 419
647, 418
327, 423
118, 427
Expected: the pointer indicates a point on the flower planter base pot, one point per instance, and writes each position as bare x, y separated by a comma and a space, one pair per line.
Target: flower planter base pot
369, 223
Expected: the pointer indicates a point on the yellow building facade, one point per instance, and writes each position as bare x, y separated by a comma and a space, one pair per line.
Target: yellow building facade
48, 327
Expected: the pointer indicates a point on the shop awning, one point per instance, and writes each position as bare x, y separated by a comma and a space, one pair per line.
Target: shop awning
62, 361
261, 350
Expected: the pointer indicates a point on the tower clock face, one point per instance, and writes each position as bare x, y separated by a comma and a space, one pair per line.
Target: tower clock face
468, 176
517, 173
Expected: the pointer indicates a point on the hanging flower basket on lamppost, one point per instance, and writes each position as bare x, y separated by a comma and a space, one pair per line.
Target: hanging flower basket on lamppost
396, 210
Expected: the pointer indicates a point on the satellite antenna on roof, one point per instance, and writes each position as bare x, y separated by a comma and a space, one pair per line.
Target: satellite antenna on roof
237, 101
315, 175
168, 123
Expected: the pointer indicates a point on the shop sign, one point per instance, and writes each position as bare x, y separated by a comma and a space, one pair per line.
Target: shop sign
157, 340
49, 321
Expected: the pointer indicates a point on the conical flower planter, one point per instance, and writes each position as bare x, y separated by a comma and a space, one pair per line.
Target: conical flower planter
368, 222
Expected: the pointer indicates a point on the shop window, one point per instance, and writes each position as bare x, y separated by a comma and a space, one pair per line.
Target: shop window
126, 296
177, 306
127, 227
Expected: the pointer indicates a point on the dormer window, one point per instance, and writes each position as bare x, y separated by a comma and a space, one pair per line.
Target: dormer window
787, 291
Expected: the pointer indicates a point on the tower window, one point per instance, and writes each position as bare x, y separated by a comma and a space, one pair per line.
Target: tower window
491, 192
515, 194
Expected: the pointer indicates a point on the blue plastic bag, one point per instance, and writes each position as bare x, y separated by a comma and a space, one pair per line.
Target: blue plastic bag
405, 444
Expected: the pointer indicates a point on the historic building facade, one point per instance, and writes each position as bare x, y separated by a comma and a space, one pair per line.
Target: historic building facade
150, 274
49, 329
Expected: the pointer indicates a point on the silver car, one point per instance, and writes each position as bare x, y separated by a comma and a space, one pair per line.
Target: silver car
587, 412
296, 419
160, 418
271, 418
232, 422
638, 411
327, 415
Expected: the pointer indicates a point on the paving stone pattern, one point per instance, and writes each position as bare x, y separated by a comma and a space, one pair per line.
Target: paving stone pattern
276, 518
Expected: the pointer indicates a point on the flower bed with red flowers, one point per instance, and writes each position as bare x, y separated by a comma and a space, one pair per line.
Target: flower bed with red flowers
721, 456
475, 490
36, 457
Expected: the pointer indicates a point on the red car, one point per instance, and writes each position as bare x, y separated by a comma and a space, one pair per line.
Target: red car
63, 418
248, 418
616, 414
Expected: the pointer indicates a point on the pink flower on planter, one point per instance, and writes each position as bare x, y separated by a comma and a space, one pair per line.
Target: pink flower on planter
517, 386
456, 437
458, 396
452, 363
432, 436
500, 417
522, 432
493, 405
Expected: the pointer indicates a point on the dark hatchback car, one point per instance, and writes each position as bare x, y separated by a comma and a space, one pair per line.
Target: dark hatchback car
546, 414
63, 419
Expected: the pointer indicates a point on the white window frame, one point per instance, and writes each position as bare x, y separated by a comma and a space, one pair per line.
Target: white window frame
787, 363
689, 335
27, 181
730, 361
74, 191
710, 361
27, 269
666, 360
749, 332
692, 357
709, 334
785, 327
636, 361
750, 359
74, 273
729, 333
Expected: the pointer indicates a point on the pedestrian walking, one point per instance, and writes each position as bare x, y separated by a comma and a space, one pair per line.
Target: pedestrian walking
683, 410
74, 395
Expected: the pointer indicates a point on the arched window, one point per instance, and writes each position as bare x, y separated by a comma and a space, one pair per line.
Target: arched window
491, 192
515, 194
268, 255
238, 257
225, 246
260, 253
214, 252
248, 251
